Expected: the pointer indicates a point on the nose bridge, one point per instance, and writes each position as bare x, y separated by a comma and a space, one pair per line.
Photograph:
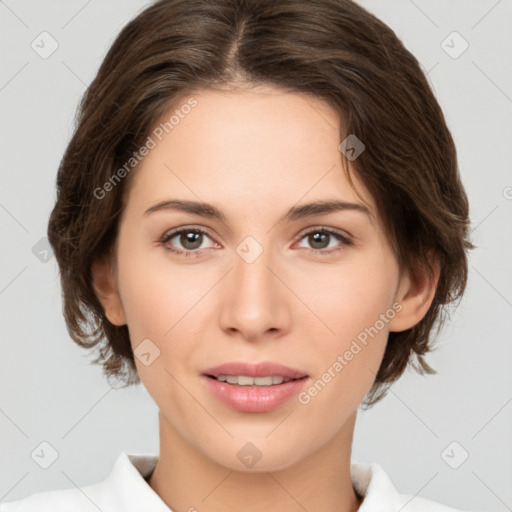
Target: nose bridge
255, 303
253, 278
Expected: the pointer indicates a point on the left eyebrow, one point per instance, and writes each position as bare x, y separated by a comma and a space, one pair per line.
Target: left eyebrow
297, 212
323, 207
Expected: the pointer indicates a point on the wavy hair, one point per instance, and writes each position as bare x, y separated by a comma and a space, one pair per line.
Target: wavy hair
332, 49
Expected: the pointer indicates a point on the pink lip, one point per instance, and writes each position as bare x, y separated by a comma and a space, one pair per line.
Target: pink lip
254, 398
264, 369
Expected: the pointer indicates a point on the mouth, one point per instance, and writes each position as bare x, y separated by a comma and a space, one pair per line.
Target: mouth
247, 380
241, 373
254, 388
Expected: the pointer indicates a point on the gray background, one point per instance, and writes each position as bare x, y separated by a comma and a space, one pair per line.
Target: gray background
50, 392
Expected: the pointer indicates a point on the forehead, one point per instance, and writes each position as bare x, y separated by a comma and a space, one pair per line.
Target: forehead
248, 150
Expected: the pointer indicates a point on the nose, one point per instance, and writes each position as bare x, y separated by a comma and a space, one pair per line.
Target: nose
255, 299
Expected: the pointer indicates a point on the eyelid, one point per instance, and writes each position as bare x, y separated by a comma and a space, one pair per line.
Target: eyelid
344, 234
345, 240
171, 233
305, 231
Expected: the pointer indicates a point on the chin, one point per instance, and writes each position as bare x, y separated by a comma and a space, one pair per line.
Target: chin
256, 456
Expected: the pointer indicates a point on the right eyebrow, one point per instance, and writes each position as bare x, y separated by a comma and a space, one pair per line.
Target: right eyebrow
194, 207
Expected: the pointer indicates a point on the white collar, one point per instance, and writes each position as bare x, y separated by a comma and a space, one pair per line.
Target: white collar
125, 489
368, 479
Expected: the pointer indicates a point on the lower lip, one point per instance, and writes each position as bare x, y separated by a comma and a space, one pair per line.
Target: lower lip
254, 398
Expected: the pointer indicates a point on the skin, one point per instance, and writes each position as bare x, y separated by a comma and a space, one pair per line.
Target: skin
254, 153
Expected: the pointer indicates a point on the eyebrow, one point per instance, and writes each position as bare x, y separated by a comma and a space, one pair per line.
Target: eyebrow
297, 212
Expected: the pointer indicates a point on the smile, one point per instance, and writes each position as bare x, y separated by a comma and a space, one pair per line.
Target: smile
245, 380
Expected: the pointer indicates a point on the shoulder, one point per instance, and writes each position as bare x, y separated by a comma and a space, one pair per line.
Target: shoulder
419, 504
379, 493
58, 500
125, 489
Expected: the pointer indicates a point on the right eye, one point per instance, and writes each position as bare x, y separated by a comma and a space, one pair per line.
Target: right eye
191, 239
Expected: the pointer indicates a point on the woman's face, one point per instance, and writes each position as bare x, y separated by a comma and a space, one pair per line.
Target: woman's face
258, 285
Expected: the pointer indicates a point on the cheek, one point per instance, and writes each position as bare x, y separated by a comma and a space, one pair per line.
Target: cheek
161, 303
353, 310
351, 298
347, 361
156, 294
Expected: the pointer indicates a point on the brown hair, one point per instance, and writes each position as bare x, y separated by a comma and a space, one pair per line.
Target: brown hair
332, 49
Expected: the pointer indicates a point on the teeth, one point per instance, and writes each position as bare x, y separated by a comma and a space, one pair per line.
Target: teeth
244, 380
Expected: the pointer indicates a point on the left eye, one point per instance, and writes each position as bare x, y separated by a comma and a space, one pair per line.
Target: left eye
317, 238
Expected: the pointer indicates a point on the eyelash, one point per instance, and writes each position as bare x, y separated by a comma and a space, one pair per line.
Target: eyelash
347, 242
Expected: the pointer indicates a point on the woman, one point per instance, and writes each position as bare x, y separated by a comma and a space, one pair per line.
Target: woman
260, 218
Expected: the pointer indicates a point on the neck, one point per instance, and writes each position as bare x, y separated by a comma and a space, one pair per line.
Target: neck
185, 479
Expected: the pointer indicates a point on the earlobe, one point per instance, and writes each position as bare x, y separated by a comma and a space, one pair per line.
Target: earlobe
106, 290
415, 295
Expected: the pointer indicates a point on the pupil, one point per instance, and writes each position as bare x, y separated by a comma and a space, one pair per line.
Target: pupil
192, 238
316, 240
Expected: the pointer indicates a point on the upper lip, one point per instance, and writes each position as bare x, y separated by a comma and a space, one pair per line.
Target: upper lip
264, 369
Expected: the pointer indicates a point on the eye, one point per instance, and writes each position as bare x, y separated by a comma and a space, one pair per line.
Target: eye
320, 238
191, 239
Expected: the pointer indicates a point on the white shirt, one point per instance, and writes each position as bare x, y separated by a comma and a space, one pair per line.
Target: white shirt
126, 490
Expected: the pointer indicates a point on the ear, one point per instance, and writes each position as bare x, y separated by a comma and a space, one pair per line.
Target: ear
415, 294
105, 286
